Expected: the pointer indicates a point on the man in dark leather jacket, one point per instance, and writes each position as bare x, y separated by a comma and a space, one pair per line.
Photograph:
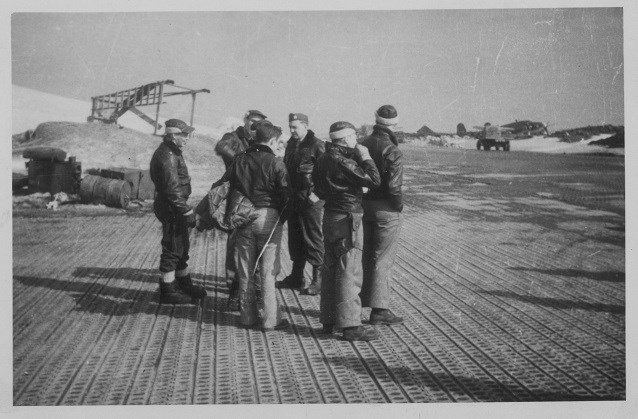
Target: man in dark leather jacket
339, 176
305, 239
172, 188
382, 218
262, 178
234, 142
231, 144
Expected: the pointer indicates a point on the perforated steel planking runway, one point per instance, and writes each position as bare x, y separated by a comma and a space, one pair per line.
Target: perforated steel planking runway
510, 293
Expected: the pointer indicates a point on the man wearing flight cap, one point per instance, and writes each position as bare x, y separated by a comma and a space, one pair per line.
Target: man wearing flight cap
169, 173
262, 178
382, 217
305, 239
339, 176
234, 142
231, 144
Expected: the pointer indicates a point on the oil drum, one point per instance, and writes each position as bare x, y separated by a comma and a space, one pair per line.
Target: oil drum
101, 190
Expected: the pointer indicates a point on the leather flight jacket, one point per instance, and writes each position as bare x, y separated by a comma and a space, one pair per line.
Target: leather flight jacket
260, 176
338, 178
231, 144
384, 150
300, 158
172, 183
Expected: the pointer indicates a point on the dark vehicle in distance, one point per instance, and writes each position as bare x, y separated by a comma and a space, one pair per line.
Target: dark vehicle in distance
493, 136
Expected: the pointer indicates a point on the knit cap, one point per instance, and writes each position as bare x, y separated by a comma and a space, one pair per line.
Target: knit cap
341, 129
386, 115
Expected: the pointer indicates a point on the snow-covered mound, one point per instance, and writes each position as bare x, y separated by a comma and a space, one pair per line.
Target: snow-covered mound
538, 144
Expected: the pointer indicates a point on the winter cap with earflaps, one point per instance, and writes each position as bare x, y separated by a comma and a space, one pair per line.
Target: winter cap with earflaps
341, 129
177, 126
386, 115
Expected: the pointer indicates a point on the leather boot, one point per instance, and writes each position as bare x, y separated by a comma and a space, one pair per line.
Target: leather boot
185, 283
171, 293
315, 285
384, 316
360, 333
295, 279
328, 329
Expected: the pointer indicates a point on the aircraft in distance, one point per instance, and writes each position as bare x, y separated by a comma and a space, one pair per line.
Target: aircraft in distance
526, 129
517, 129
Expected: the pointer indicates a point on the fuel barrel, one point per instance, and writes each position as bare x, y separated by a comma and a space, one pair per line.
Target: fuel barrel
101, 190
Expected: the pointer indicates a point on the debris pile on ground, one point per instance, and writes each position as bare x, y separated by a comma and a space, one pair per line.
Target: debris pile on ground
34, 200
62, 198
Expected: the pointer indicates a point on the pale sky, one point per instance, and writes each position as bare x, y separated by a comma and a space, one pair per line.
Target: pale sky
437, 67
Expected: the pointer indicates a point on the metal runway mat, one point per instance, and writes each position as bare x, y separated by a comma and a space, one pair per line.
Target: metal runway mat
507, 311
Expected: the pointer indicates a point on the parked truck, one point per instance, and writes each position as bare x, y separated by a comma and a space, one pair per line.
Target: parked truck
493, 136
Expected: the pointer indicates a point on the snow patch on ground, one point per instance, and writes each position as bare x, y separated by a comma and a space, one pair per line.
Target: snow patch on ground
538, 144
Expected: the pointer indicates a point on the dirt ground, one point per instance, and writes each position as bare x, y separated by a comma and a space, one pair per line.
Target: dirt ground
510, 275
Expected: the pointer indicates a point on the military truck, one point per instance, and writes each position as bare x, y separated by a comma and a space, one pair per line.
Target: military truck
493, 136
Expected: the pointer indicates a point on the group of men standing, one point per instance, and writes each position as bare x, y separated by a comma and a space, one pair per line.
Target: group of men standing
348, 237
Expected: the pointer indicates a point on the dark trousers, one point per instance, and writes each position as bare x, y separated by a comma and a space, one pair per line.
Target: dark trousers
305, 238
175, 245
340, 303
381, 228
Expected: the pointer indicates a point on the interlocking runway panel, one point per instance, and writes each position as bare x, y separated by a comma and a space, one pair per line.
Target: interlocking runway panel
511, 281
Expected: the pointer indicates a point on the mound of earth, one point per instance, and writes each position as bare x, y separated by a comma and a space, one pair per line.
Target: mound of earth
98, 145
424, 131
615, 141
574, 135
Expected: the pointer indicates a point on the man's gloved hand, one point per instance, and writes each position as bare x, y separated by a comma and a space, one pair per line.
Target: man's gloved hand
362, 152
191, 219
284, 215
198, 224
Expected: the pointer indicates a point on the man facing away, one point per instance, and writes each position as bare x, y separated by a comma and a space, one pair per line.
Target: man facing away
262, 178
339, 176
231, 144
382, 217
169, 173
305, 238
